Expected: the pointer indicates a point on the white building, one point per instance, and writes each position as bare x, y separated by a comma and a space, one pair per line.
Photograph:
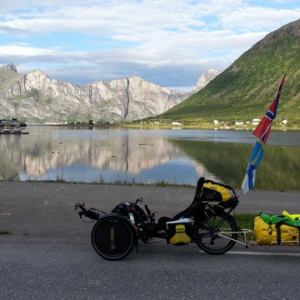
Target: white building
255, 121
239, 123
176, 123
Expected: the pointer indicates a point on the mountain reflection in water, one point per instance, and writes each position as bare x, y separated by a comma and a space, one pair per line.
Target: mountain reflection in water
147, 156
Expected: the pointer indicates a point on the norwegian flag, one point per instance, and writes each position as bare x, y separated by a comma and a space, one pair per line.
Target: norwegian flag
262, 132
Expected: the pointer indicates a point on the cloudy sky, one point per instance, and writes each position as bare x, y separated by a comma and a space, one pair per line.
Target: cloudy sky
168, 42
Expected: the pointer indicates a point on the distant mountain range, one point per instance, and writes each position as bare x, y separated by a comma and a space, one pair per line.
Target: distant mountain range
240, 93
246, 89
35, 98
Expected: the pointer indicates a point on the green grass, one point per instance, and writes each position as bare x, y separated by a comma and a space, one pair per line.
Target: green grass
245, 221
59, 179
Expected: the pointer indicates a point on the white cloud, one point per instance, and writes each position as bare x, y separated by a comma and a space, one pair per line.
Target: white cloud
26, 50
258, 18
84, 41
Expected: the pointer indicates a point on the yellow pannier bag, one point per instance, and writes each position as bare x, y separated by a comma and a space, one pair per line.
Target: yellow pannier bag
179, 231
266, 234
212, 191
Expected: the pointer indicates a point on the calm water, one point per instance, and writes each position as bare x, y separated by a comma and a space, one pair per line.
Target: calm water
148, 156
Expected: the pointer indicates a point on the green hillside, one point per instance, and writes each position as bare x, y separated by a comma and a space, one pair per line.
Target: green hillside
246, 89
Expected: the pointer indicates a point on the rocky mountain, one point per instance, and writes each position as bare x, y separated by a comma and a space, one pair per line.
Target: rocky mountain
206, 78
34, 97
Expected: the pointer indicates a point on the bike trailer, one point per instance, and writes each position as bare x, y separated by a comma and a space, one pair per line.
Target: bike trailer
276, 230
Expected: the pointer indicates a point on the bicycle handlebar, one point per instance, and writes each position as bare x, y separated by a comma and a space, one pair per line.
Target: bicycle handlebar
91, 213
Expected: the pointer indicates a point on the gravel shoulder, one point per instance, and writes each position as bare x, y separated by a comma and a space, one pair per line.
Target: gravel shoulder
33, 212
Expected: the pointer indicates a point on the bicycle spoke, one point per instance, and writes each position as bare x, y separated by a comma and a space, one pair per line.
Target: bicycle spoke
217, 234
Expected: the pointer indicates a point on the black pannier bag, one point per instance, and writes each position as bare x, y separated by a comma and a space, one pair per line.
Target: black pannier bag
222, 196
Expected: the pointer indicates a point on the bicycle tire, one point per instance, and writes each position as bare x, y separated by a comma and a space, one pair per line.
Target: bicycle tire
209, 239
113, 237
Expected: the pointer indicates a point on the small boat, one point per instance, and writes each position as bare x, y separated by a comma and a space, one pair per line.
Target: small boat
16, 129
6, 129
12, 123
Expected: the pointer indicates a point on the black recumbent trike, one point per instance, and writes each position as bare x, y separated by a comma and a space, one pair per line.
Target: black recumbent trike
206, 222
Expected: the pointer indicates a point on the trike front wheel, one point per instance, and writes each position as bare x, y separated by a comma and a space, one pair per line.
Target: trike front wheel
113, 237
217, 234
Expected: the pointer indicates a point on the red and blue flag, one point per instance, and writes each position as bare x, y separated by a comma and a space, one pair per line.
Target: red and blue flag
262, 132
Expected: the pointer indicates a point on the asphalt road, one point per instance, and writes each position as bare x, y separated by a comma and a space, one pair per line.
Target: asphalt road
46, 252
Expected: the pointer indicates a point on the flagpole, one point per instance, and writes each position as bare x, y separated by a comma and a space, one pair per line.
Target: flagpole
262, 132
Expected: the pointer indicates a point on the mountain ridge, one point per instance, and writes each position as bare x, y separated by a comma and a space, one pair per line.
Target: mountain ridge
34, 97
246, 88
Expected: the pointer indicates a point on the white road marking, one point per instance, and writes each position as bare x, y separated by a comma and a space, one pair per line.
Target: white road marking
262, 253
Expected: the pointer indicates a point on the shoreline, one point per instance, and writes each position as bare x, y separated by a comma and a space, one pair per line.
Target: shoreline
158, 184
167, 126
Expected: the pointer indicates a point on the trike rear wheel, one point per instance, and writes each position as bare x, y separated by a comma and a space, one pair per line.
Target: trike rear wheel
217, 234
113, 237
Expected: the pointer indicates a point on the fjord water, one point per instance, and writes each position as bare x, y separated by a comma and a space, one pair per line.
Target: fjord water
118, 155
